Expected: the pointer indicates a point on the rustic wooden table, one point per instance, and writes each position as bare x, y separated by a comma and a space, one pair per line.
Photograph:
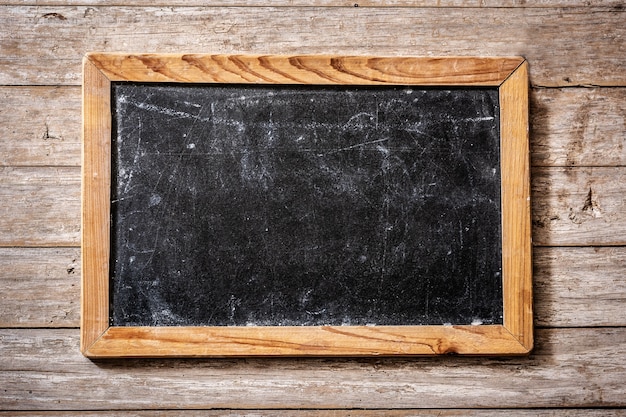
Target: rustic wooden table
576, 51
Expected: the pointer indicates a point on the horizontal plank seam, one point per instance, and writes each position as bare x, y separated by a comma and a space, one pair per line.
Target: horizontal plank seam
604, 245
12, 246
76, 246
39, 328
550, 166
557, 327
39, 85
568, 86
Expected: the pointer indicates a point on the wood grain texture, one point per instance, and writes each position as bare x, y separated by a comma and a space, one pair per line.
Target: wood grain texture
270, 341
580, 286
602, 412
55, 38
327, 3
516, 226
40, 206
304, 69
96, 201
578, 127
41, 369
584, 206
40, 126
569, 368
50, 276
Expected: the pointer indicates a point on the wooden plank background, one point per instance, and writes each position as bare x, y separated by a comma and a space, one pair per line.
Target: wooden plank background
577, 55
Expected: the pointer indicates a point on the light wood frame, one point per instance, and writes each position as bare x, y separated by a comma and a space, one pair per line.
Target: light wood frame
509, 75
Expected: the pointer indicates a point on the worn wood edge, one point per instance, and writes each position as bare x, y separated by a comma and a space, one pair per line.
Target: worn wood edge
350, 341
332, 412
305, 69
327, 3
96, 172
516, 215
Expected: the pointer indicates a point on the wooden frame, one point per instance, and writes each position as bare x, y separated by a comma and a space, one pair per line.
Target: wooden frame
509, 75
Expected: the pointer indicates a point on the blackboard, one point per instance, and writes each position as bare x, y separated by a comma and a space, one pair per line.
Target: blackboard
290, 205
290, 208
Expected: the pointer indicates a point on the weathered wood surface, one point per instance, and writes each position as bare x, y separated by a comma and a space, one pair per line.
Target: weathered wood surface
328, 3
571, 206
579, 206
580, 286
574, 287
567, 44
578, 126
385, 412
43, 369
40, 126
39, 287
56, 38
40, 206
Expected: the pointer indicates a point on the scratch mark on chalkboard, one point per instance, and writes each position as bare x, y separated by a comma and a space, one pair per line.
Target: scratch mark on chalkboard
255, 171
196, 105
480, 119
157, 181
151, 251
358, 145
233, 303
352, 122
163, 110
316, 313
127, 186
384, 217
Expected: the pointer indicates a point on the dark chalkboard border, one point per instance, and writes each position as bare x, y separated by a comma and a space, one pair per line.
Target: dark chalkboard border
509, 75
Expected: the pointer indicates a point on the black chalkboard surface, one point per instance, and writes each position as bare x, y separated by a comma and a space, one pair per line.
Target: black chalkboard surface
305, 205
284, 205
